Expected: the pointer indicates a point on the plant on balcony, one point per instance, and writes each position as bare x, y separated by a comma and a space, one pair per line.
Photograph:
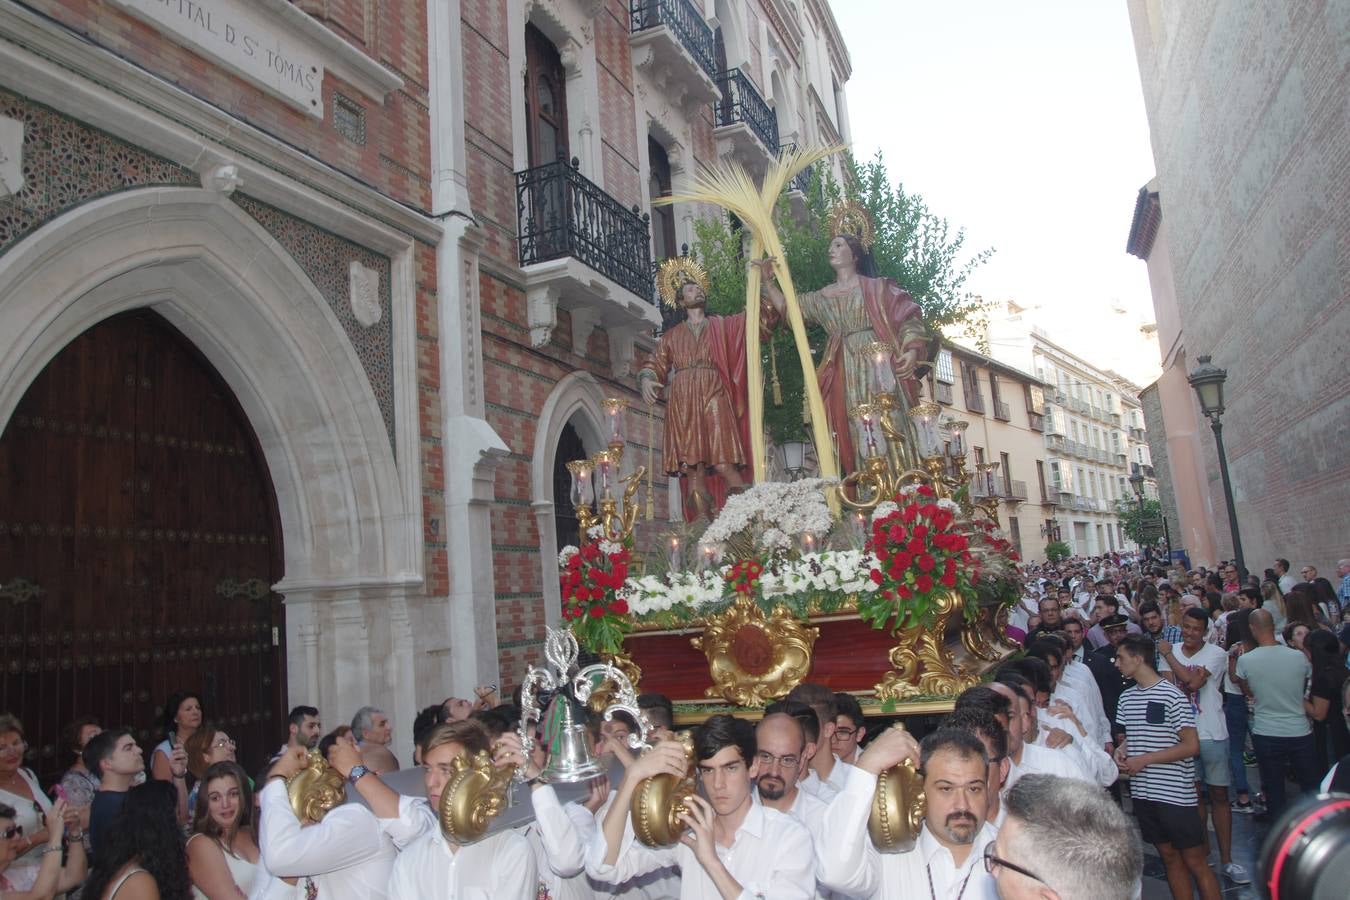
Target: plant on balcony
914, 246
591, 579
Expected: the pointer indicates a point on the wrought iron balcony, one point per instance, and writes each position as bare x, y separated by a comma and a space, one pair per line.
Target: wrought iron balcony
802, 180
1050, 495
1002, 411
1036, 421
562, 213
742, 104
684, 21
582, 251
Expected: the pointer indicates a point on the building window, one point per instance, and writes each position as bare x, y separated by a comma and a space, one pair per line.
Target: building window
970, 377
659, 185
545, 99
349, 118
945, 374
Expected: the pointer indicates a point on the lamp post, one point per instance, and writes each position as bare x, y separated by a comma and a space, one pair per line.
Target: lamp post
1208, 381
1137, 482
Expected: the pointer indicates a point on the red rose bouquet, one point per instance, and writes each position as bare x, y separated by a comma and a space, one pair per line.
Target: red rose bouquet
744, 576
591, 579
919, 554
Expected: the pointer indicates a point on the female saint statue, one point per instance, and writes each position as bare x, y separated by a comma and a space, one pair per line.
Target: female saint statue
856, 310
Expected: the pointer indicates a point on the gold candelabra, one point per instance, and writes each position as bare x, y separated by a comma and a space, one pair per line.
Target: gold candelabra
595, 482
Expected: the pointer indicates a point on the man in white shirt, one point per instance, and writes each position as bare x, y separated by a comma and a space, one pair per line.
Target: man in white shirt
1286, 580
345, 855
429, 864
735, 849
783, 751
850, 728
827, 771
1197, 668
1025, 756
986, 726
1065, 838
947, 860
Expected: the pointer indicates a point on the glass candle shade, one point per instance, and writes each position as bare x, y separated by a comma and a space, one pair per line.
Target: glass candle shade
583, 487
925, 418
809, 542
675, 553
606, 471
882, 376
956, 436
866, 416
709, 556
614, 411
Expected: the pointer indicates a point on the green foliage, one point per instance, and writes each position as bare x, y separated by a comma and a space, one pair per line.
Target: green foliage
1138, 524
1056, 551
914, 246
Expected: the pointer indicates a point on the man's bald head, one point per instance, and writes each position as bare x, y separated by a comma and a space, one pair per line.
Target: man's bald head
781, 728
1261, 622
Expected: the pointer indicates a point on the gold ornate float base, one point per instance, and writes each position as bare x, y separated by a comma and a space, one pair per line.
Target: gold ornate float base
754, 659
924, 664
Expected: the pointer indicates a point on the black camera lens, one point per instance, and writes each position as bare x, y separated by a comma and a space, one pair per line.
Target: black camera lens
1306, 856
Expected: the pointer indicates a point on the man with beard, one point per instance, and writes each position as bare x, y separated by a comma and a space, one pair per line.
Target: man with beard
734, 848
783, 751
985, 725
947, 860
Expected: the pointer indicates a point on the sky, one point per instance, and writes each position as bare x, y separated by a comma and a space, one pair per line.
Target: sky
1024, 123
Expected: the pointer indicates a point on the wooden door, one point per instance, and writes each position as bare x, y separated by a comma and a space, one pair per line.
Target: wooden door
134, 497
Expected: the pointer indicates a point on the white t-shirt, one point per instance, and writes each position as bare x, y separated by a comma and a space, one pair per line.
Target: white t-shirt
1207, 704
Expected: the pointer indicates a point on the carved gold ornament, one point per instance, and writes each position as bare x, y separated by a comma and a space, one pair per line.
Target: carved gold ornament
753, 659
675, 273
922, 664
472, 798
315, 789
851, 218
898, 808
659, 801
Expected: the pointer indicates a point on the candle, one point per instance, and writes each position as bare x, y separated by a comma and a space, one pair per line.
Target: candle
614, 407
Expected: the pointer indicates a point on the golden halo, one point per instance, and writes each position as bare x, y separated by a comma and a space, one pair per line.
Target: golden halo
675, 273
851, 217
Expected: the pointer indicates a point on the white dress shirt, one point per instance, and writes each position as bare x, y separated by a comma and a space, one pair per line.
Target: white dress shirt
851, 865
827, 789
346, 855
810, 811
500, 867
558, 838
772, 858
1042, 760
1086, 703
1092, 760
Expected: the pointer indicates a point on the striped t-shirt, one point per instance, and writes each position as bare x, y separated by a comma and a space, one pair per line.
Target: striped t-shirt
1151, 719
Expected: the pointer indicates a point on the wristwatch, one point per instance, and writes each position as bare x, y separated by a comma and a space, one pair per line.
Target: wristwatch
356, 773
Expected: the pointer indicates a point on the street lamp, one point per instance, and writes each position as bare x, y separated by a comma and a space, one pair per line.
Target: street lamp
1137, 482
1208, 381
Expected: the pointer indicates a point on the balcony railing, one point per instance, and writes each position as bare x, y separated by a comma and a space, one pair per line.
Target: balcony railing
561, 213
802, 180
741, 103
1036, 421
942, 392
974, 402
1050, 495
1013, 491
684, 20
1002, 412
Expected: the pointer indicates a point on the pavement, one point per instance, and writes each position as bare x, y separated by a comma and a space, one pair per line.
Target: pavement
1248, 836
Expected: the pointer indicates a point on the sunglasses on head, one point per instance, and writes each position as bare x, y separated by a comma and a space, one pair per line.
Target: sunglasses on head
13, 831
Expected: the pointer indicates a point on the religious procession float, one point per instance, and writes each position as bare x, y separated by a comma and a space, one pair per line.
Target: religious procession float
885, 576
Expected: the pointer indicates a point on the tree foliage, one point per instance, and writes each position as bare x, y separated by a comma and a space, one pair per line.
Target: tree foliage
1056, 551
1140, 526
914, 246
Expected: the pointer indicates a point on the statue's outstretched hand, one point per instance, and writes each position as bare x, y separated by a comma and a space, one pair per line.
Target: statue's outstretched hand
649, 389
767, 268
906, 363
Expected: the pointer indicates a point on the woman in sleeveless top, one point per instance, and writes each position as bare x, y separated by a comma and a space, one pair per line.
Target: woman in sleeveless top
142, 857
19, 788
182, 718
222, 852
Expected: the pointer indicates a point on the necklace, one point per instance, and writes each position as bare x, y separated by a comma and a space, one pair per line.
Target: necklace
932, 894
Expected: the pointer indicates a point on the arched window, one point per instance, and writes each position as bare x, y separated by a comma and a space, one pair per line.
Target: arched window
659, 185
570, 447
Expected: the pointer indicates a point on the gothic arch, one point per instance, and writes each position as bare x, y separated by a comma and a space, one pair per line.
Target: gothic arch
350, 517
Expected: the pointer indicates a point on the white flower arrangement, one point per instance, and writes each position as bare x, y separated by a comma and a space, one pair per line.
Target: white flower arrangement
884, 509
773, 511
650, 594
566, 554
846, 571
610, 547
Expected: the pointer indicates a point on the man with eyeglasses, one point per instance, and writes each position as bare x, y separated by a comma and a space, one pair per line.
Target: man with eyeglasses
734, 848
850, 727
783, 750
1064, 839
946, 860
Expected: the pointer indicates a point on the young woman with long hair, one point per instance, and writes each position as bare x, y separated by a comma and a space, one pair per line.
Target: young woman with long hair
223, 851
1300, 607
1237, 640
141, 857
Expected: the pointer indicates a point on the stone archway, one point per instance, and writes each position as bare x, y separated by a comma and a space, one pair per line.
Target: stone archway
575, 400
352, 537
